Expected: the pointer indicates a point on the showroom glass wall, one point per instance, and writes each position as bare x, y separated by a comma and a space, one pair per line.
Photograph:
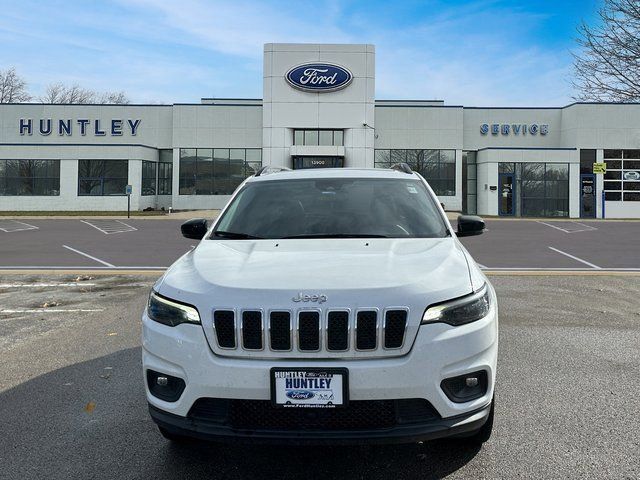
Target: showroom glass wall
29, 177
540, 190
157, 177
102, 177
438, 167
216, 171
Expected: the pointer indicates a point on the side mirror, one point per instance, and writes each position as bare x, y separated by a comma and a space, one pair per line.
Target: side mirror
469, 225
195, 228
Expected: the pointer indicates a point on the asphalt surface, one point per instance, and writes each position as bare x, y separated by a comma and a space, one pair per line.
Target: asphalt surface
157, 243
72, 403
141, 243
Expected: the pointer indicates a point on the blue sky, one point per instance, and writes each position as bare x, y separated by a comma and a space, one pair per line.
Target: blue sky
472, 53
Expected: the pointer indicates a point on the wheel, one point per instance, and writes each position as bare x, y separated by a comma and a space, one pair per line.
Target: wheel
173, 437
484, 434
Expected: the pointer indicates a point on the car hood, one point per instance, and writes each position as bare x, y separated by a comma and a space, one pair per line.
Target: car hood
349, 272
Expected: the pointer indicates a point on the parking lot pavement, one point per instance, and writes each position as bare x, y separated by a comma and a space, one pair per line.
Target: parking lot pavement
94, 243
156, 244
527, 244
72, 402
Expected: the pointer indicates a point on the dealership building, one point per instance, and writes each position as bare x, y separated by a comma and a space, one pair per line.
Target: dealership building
319, 111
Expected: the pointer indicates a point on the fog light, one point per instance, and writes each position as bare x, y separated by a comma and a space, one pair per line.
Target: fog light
165, 387
470, 381
465, 388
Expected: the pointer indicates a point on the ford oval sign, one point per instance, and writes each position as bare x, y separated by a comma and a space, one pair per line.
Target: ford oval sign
300, 394
319, 77
631, 175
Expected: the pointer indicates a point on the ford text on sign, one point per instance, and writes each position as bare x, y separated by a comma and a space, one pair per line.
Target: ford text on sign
319, 77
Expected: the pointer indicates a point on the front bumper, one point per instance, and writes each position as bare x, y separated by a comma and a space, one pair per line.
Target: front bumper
430, 430
439, 351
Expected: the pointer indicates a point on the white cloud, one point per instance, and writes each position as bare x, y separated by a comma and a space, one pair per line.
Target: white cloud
241, 28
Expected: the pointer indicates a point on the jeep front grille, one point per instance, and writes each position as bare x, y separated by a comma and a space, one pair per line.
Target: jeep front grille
224, 323
395, 323
338, 331
307, 331
252, 330
367, 330
280, 331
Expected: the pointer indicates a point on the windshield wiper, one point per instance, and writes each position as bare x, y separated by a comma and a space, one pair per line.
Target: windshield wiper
235, 235
337, 235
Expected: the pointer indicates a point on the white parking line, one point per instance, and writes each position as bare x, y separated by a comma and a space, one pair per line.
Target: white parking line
587, 228
51, 310
576, 258
10, 226
109, 227
44, 285
107, 264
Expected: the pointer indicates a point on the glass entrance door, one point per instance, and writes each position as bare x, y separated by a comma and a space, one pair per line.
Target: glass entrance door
506, 192
587, 196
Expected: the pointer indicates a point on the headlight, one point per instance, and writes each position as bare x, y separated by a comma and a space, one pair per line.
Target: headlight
463, 310
169, 312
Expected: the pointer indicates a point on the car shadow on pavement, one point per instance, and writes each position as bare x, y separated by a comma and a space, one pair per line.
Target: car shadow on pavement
90, 420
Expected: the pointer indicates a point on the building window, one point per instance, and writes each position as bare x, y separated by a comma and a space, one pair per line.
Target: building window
587, 159
318, 137
29, 177
542, 189
216, 171
438, 167
103, 177
622, 180
469, 182
165, 172
148, 178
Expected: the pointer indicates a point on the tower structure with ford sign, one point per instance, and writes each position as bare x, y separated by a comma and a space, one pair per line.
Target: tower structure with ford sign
319, 111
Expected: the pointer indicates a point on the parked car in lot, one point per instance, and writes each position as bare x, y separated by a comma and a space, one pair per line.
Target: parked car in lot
324, 306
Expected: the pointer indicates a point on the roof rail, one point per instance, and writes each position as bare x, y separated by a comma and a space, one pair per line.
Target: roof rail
267, 169
402, 167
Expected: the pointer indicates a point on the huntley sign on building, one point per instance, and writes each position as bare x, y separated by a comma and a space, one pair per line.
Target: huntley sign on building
47, 126
319, 111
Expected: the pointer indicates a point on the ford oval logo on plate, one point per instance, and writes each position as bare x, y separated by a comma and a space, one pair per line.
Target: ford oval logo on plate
319, 77
300, 394
631, 175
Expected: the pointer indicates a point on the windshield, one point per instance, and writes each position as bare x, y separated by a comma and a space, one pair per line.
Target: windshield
332, 207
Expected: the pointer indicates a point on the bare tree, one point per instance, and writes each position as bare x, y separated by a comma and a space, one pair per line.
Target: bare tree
13, 89
608, 66
75, 94
61, 93
114, 97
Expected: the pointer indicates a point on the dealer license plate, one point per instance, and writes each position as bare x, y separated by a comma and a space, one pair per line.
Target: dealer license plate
309, 388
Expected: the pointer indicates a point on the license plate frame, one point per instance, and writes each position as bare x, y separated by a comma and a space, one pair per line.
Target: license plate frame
343, 372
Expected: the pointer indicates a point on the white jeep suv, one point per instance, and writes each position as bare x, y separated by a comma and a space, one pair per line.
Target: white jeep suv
324, 305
